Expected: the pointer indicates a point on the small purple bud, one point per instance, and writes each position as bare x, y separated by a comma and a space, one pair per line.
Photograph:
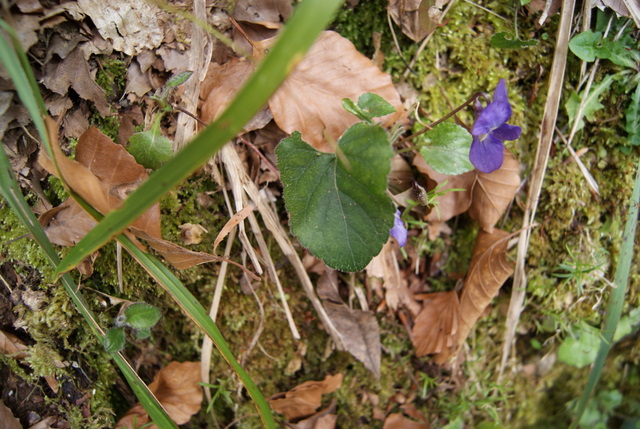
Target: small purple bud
399, 232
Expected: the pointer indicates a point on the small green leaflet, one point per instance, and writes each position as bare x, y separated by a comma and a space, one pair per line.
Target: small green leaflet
589, 45
369, 106
591, 105
337, 203
141, 316
114, 340
178, 79
446, 149
581, 347
506, 40
150, 148
585, 45
632, 114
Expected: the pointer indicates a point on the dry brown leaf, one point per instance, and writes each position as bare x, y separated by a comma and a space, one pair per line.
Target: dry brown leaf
221, 84
452, 203
180, 257
178, 390
304, 400
436, 328
493, 192
232, 223
399, 421
260, 11
360, 334
12, 345
310, 99
323, 419
7, 419
132, 25
488, 270
385, 266
406, 13
73, 71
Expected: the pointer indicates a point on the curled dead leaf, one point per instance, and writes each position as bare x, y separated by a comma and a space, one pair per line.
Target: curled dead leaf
191, 233
177, 387
493, 192
305, 399
488, 270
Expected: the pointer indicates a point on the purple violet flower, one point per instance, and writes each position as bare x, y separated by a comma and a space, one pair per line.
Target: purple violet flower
490, 130
399, 232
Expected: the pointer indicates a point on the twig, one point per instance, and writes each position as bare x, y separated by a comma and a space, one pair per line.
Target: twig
542, 158
261, 155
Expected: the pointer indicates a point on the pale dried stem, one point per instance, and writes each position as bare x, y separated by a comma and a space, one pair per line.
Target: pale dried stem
539, 168
634, 10
199, 58
271, 269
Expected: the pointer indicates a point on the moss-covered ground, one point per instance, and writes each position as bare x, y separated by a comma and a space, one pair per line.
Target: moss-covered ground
575, 227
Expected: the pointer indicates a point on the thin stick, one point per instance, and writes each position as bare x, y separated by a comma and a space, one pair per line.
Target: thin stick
119, 266
537, 177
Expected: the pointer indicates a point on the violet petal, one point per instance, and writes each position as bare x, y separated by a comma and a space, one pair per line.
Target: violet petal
487, 155
493, 116
507, 132
399, 232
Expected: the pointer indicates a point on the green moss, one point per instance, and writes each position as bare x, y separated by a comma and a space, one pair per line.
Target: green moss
111, 76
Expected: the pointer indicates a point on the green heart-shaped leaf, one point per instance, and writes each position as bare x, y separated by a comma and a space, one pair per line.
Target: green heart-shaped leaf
142, 316
446, 149
337, 203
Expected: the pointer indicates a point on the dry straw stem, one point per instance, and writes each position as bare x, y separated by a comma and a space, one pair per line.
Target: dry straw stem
199, 57
537, 176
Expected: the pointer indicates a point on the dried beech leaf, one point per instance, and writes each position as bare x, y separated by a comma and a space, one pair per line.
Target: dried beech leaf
398, 421
436, 328
77, 176
73, 71
493, 192
12, 345
360, 334
406, 14
7, 419
304, 400
385, 266
488, 270
232, 223
452, 203
180, 257
66, 224
323, 419
310, 99
259, 11
220, 86
178, 390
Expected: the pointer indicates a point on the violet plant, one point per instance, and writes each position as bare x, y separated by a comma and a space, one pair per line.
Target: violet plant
338, 203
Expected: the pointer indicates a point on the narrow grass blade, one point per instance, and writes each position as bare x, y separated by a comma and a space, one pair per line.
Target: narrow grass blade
11, 193
199, 315
616, 300
310, 17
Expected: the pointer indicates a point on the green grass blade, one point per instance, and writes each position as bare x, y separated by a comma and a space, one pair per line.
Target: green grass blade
11, 193
616, 300
310, 17
199, 315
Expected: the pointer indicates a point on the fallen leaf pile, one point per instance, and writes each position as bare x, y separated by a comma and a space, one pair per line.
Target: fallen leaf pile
300, 403
177, 387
